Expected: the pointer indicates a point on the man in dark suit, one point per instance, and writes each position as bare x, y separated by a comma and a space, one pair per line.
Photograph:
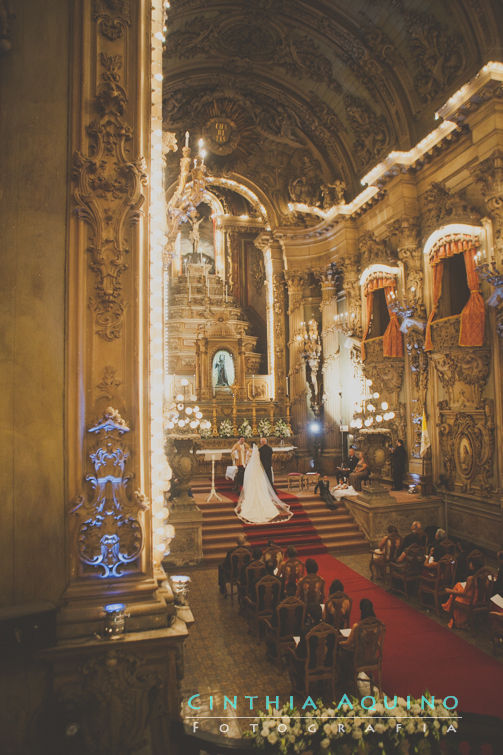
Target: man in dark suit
265, 452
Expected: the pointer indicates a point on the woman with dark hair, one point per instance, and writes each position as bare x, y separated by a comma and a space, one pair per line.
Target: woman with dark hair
366, 612
464, 593
398, 464
362, 472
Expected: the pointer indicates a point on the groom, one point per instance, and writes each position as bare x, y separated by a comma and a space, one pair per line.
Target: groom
265, 452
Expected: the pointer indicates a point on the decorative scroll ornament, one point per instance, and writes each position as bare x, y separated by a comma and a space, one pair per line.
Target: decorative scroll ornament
113, 16
110, 536
108, 196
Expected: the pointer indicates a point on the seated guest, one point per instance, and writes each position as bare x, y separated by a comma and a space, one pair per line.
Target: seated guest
253, 574
386, 551
362, 472
224, 569
311, 588
323, 485
273, 551
291, 569
366, 612
416, 535
348, 466
413, 540
347, 645
336, 590
438, 550
456, 605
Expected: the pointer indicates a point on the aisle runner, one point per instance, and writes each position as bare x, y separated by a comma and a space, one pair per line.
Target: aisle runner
419, 654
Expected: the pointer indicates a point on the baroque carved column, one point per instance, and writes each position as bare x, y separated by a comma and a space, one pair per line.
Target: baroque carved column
331, 349
416, 372
109, 542
298, 388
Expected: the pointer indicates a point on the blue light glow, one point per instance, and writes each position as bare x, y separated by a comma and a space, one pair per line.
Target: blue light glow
114, 607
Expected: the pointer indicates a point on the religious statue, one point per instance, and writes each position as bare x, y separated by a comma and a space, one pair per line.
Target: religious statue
222, 378
194, 235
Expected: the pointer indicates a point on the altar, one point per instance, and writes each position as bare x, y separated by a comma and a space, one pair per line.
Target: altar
281, 460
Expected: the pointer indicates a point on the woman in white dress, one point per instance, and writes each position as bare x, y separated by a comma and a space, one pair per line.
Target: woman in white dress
258, 503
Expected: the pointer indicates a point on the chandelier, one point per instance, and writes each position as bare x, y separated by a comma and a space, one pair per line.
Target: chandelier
186, 419
368, 413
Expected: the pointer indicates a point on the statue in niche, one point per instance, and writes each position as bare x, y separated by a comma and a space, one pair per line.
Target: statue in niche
195, 237
223, 369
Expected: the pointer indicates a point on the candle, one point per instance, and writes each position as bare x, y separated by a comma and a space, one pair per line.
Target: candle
226, 293
253, 385
287, 387
186, 138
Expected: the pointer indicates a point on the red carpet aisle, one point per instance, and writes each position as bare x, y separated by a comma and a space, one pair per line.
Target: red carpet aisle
297, 531
419, 654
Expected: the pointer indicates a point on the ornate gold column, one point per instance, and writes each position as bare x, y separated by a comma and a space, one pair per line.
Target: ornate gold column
489, 176
298, 388
416, 359
109, 533
331, 379
276, 309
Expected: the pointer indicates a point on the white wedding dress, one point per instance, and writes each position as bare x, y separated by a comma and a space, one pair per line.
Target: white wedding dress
258, 503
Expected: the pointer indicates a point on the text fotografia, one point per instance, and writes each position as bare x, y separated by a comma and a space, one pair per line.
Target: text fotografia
368, 703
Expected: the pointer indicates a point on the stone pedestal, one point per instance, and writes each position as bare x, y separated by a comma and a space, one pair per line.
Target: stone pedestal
111, 696
186, 548
374, 510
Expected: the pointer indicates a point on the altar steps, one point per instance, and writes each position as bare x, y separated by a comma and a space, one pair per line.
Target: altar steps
314, 529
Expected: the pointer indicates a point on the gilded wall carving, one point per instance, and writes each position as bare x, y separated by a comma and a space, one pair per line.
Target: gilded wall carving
440, 206
438, 54
109, 533
467, 447
112, 16
108, 194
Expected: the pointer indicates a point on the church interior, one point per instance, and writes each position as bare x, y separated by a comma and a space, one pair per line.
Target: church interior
229, 223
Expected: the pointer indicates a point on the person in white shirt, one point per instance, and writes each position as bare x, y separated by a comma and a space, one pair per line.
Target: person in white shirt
240, 454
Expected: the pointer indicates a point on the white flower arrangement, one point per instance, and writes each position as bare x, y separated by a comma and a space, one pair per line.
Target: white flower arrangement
350, 728
245, 429
281, 429
264, 427
225, 429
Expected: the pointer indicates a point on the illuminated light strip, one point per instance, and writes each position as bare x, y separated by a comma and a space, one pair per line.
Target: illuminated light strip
451, 229
270, 319
160, 472
240, 189
339, 209
401, 159
406, 159
378, 268
492, 71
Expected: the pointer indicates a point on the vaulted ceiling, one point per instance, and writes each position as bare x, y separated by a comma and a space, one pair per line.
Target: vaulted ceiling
294, 95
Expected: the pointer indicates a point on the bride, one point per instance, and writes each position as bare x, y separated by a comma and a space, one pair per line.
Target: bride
258, 503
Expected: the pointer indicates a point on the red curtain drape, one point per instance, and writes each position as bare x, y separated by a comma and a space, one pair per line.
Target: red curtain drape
471, 330
438, 271
392, 339
392, 342
369, 299
472, 319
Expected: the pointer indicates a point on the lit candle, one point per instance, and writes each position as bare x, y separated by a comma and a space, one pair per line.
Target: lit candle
186, 138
